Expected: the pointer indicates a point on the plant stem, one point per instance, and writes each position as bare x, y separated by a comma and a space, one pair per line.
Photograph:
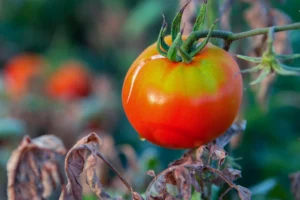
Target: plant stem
230, 37
260, 31
115, 171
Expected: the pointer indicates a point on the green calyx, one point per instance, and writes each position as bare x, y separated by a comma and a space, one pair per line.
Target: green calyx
178, 51
270, 62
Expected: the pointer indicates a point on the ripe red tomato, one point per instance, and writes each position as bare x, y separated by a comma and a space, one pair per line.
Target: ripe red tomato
19, 71
71, 81
179, 105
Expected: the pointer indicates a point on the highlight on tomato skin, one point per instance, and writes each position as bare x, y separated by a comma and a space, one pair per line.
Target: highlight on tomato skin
179, 105
71, 81
19, 71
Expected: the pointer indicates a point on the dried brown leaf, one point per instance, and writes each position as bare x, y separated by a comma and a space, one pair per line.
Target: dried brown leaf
33, 168
295, 184
194, 170
102, 170
83, 156
217, 153
176, 182
183, 181
244, 193
157, 188
232, 174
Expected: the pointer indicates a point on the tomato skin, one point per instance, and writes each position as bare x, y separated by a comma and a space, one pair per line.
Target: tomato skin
19, 71
69, 82
178, 105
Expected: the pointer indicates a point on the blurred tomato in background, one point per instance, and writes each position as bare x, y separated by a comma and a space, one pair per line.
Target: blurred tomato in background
72, 80
20, 71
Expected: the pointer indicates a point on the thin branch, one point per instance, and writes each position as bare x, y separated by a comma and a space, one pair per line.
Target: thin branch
219, 173
230, 37
260, 31
224, 193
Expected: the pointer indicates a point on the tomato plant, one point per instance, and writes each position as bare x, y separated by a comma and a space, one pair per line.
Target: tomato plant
182, 105
70, 81
19, 71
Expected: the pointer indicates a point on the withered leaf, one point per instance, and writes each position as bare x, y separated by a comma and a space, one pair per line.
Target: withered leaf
83, 156
217, 153
33, 168
244, 193
194, 170
232, 174
176, 182
156, 188
183, 181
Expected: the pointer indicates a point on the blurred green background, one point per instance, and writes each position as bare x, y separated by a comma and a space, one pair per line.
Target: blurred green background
107, 35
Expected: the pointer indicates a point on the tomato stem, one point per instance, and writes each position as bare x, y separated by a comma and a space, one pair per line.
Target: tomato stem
186, 58
230, 37
204, 43
183, 51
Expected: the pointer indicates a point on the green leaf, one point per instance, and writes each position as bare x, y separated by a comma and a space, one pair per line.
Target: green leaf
288, 57
252, 69
199, 24
175, 29
265, 72
285, 70
296, 69
250, 59
160, 41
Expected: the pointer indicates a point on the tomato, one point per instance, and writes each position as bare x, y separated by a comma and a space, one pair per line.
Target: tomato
70, 81
182, 105
19, 71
